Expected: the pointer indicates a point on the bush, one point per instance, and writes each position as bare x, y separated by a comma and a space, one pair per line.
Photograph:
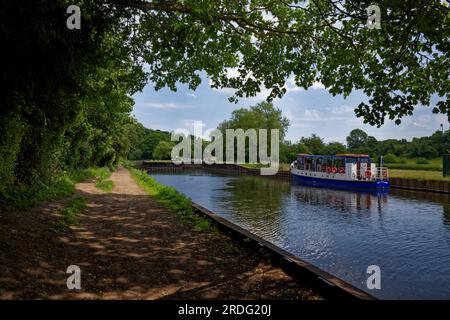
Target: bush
23, 196
422, 161
391, 158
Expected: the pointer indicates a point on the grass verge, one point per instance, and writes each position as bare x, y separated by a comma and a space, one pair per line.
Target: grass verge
68, 215
417, 174
21, 197
172, 199
420, 164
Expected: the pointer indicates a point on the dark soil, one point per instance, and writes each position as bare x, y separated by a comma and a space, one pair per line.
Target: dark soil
130, 247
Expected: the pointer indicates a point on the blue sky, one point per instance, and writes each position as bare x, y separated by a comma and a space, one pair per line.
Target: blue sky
309, 111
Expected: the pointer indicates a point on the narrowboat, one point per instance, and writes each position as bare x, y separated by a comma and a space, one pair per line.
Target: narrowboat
342, 171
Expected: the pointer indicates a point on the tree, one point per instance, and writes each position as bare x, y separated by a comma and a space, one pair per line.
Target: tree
163, 150
66, 104
261, 116
398, 66
289, 151
334, 148
356, 140
314, 144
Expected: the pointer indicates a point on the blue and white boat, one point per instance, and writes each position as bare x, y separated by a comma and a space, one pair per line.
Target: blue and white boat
342, 171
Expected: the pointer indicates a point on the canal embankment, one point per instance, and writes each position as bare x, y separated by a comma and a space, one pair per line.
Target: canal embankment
438, 186
403, 232
321, 281
130, 246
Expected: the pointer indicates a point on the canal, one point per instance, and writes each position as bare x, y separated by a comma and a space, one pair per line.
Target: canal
405, 233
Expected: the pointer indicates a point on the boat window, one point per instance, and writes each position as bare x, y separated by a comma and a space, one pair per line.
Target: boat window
339, 162
301, 163
313, 164
319, 164
308, 163
364, 160
329, 162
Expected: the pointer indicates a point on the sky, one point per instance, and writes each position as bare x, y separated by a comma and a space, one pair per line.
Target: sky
309, 111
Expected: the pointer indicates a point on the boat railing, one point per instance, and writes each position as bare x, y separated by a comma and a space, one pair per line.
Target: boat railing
382, 173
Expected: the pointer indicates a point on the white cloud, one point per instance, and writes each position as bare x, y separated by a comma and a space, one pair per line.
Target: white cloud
290, 85
318, 85
312, 115
157, 105
191, 123
195, 127
418, 124
341, 109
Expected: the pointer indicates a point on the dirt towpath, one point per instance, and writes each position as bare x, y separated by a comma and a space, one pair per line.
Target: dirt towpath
130, 247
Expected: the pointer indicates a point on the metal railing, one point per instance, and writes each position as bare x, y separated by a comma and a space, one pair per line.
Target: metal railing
382, 173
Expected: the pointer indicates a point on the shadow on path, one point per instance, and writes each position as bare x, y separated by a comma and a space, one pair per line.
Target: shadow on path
129, 247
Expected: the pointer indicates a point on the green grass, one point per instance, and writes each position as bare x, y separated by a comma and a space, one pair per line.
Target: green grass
105, 185
173, 200
99, 174
68, 215
417, 174
417, 164
21, 197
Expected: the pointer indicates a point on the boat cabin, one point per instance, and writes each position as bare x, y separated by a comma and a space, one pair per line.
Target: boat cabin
340, 166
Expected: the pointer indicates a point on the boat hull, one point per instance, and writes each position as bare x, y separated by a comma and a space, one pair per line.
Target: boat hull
340, 184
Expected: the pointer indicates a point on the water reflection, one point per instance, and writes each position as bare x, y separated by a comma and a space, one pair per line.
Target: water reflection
341, 200
406, 233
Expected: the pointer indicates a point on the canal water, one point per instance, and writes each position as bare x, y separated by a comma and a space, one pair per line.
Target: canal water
405, 233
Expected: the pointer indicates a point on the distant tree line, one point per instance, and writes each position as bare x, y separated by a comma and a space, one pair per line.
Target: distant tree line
359, 141
150, 144
155, 144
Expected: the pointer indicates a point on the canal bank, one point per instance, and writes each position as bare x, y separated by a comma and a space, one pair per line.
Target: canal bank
406, 233
232, 169
128, 246
325, 284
